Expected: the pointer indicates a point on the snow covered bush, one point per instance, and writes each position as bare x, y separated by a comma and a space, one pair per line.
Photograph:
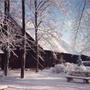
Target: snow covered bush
81, 68
58, 68
1, 73
74, 67
70, 67
67, 68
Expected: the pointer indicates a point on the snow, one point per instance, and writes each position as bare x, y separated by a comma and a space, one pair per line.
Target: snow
43, 80
1, 52
68, 67
54, 43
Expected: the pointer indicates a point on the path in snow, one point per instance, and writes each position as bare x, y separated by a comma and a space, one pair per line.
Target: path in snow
43, 80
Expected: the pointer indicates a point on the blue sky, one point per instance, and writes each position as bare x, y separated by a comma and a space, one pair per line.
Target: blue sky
63, 22
73, 10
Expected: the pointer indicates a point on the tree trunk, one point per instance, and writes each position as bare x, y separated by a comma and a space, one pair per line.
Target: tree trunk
36, 36
24, 41
6, 12
6, 62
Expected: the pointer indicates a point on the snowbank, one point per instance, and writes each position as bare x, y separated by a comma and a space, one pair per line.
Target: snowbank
67, 67
43, 80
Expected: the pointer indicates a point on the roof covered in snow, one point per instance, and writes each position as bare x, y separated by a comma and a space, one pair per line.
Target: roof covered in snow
54, 44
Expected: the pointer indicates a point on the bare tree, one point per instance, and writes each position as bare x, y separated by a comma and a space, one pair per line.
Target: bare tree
81, 31
45, 29
10, 38
6, 11
37, 10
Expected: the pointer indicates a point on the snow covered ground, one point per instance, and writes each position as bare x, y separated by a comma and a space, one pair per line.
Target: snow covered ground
43, 80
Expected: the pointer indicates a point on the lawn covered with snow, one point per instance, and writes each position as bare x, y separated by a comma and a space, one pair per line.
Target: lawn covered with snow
43, 80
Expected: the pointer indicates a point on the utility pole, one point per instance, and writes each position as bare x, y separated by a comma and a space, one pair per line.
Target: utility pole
24, 40
36, 35
7, 53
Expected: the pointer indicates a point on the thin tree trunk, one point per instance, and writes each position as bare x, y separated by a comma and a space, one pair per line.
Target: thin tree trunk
78, 27
6, 12
36, 36
24, 41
